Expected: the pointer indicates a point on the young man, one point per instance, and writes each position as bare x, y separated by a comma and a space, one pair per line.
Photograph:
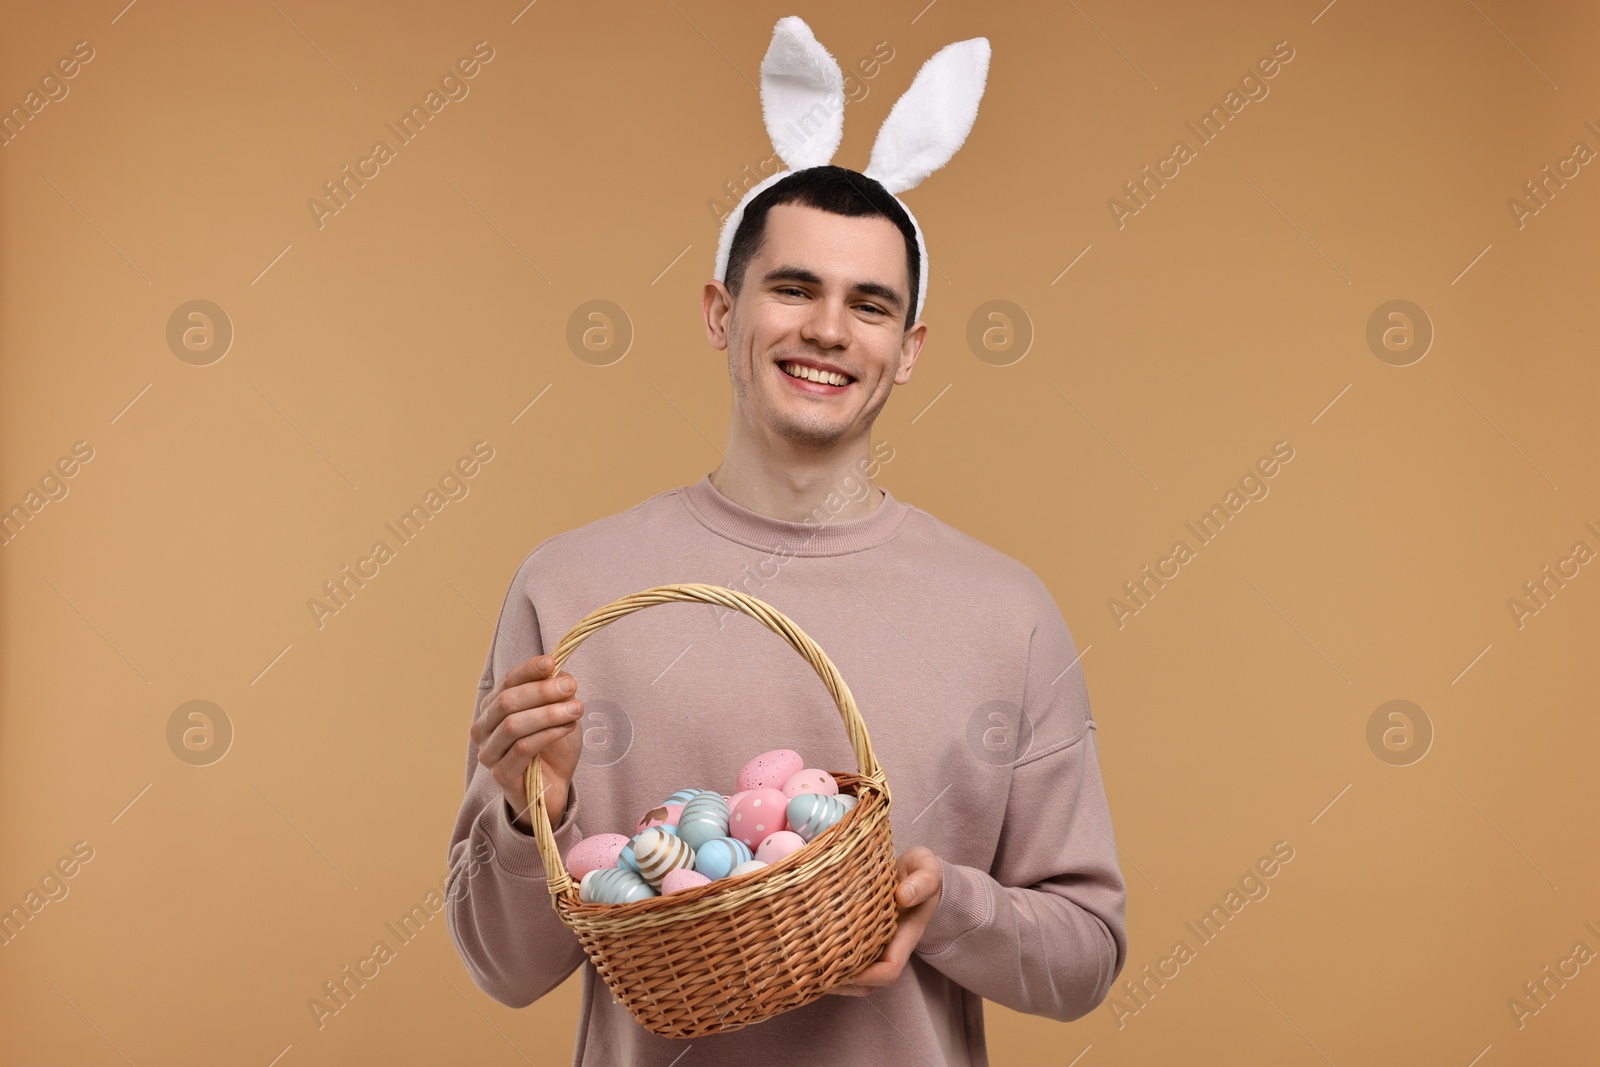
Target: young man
964, 670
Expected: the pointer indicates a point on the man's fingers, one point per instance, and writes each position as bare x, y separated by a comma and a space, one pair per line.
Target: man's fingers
533, 669
526, 671
516, 695
886, 969
542, 724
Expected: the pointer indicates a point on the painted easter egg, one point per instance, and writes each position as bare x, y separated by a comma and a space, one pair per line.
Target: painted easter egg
658, 851
683, 796
848, 800
746, 867
811, 813
703, 819
760, 813
770, 770
682, 878
659, 815
593, 853
778, 845
811, 780
717, 859
625, 858
613, 885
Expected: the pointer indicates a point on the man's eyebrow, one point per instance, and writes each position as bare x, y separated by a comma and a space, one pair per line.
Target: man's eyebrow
788, 272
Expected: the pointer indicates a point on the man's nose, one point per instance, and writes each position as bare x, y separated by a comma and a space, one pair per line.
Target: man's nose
826, 324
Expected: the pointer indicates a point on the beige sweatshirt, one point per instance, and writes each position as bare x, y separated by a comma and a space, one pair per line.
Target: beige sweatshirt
969, 683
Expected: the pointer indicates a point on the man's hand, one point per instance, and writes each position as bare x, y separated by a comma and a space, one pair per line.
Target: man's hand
531, 713
921, 878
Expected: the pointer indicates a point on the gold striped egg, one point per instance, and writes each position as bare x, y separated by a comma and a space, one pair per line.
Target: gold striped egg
658, 851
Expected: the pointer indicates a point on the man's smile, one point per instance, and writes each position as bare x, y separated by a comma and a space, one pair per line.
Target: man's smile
810, 378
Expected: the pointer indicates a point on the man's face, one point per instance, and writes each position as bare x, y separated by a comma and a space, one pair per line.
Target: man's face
828, 291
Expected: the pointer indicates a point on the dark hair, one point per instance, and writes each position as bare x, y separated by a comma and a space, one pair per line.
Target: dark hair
835, 189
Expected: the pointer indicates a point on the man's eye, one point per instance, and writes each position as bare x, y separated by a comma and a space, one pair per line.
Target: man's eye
873, 307
791, 289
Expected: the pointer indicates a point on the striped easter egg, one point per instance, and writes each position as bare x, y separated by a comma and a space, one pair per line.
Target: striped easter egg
716, 858
703, 819
811, 813
613, 885
658, 851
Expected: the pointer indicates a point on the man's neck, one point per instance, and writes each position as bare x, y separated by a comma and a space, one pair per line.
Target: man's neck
793, 493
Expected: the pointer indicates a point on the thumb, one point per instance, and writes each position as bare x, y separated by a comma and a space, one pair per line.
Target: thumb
915, 888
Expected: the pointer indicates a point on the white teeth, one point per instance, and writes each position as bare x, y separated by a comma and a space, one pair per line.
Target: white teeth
811, 374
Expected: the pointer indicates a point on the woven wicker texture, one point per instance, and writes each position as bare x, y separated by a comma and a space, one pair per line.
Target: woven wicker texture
735, 951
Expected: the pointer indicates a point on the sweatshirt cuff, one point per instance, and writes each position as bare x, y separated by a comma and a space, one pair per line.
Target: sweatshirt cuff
965, 903
517, 853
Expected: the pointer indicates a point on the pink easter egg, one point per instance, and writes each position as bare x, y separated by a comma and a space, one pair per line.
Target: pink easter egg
659, 815
759, 813
771, 769
593, 853
734, 800
811, 780
776, 846
682, 878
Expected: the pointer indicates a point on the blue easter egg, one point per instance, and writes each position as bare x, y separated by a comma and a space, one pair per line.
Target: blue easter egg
613, 885
719, 856
809, 814
703, 819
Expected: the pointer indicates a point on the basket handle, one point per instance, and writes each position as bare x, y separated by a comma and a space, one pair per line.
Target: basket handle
559, 880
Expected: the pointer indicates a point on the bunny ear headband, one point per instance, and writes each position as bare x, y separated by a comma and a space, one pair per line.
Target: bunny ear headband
802, 104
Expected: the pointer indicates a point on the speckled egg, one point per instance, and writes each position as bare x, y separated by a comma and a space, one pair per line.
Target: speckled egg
760, 813
770, 770
659, 815
682, 878
778, 845
811, 780
746, 867
613, 885
811, 813
716, 859
594, 853
658, 851
703, 819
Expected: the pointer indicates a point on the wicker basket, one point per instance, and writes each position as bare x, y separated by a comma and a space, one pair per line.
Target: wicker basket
720, 956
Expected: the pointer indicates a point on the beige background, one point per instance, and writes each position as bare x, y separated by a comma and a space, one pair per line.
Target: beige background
1228, 314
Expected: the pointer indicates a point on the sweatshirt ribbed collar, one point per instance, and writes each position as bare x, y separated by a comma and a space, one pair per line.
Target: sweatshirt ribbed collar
819, 536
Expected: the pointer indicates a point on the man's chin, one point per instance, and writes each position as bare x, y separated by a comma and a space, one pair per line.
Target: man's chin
808, 435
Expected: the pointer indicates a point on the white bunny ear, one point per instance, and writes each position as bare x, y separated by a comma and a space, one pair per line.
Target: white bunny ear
802, 96
932, 119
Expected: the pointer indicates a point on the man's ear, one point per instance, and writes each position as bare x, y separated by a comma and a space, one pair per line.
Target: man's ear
716, 305
910, 349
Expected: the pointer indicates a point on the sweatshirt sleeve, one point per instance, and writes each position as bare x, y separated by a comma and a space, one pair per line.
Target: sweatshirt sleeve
1044, 931
498, 908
